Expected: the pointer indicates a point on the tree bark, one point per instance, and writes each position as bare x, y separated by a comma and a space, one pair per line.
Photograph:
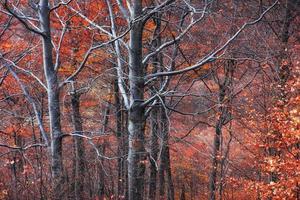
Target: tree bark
165, 174
224, 116
182, 195
79, 147
122, 147
118, 114
154, 146
213, 175
166, 157
53, 101
136, 114
103, 187
153, 154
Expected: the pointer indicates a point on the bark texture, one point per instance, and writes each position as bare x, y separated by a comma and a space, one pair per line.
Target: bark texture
53, 101
224, 117
79, 163
136, 114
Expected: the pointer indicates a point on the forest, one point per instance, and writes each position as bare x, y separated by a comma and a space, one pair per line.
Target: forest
150, 99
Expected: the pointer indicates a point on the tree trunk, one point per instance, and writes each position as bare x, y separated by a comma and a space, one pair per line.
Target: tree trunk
161, 176
118, 114
182, 195
170, 186
136, 114
223, 163
166, 157
213, 175
224, 116
154, 147
121, 136
53, 101
125, 152
102, 148
102, 186
153, 154
165, 165
79, 147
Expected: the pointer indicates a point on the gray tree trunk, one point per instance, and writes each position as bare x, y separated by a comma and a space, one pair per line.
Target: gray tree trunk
103, 187
154, 146
216, 149
121, 136
165, 175
118, 114
182, 195
136, 114
53, 101
79, 163
221, 121
153, 154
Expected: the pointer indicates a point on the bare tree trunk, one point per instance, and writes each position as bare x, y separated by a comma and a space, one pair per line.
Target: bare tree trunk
79, 147
170, 186
224, 116
216, 149
15, 166
182, 195
118, 114
125, 152
166, 156
153, 154
136, 114
122, 147
223, 164
165, 165
161, 176
102, 148
53, 101
162, 163
154, 147
102, 188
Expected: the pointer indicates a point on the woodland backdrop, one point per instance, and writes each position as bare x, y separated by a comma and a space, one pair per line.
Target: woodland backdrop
149, 99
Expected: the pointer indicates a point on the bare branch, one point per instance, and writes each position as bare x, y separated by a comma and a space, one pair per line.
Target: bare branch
21, 19
213, 55
176, 39
119, 61
60, 4
57, 59
27, 72
26, 147
32, 102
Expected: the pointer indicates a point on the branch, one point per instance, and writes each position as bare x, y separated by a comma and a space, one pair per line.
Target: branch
37, 31
57, 59
87, 55
195, 126
23, 148
123, 10
212, 56
183, 33
26, 72
31, 101
6, 26
90, 140
60, 4
119, 61
102, 29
